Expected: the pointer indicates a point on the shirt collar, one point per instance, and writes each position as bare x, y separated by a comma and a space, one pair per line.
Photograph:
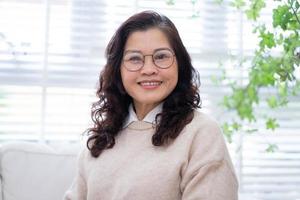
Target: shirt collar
150, 117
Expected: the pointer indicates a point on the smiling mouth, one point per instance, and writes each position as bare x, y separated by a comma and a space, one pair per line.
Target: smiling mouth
150, 83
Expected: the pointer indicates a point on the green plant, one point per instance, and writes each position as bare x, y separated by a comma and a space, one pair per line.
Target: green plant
273, 66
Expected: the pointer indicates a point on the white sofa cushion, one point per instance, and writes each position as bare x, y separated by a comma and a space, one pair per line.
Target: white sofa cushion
34, 171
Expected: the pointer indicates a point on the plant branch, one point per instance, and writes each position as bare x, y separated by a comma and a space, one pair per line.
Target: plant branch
295, 13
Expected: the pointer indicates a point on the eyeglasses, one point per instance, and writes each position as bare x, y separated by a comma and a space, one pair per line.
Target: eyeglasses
135, 60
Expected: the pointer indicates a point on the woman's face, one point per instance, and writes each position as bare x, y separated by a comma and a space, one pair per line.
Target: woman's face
149, 85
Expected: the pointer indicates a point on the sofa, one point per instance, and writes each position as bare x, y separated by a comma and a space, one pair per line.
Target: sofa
35, 170
41, 171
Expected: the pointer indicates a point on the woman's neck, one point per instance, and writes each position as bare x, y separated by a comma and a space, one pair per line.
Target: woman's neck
142, 110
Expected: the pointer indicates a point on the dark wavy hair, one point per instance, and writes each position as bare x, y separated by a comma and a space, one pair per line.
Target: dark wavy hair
111, 110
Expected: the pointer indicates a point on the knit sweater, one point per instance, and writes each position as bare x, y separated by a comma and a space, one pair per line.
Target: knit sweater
195, 166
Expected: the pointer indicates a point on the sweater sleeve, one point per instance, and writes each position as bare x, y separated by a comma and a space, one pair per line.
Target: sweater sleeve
209, 173
78, 189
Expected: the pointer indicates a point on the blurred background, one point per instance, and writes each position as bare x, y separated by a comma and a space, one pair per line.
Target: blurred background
52, 51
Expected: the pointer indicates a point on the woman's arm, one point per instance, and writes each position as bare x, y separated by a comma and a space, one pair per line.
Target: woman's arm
209, 173
78, 189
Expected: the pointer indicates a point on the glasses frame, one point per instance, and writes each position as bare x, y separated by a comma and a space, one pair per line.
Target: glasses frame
144, 57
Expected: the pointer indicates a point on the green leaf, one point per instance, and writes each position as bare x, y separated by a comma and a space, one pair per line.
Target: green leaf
267, 39
272, 102
297, 5
282, 16
227, 131
272, 148
283, 101
238, 3
283, 89
252, 93
255, 8
226, 102
279, 39
236, 126
272, 124
230, 129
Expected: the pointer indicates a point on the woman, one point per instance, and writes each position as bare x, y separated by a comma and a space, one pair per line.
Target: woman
148, 141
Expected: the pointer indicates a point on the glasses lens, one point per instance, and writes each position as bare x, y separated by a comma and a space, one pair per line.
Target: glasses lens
133, 61
163, 58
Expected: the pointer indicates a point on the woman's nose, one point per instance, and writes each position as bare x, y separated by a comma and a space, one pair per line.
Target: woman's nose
149, 67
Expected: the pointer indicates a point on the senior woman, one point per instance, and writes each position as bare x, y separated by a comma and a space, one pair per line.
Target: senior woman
149, 141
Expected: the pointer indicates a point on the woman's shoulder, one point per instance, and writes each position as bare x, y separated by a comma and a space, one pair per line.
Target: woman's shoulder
205, 135
84, 154
203, 121
203, 127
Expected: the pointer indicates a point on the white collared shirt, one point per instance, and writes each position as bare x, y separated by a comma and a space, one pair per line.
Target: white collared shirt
150, 117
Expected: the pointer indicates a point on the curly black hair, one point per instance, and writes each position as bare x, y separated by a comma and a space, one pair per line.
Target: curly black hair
111, 110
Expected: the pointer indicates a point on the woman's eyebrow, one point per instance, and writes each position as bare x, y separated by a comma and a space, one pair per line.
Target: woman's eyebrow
132, 51
139, 51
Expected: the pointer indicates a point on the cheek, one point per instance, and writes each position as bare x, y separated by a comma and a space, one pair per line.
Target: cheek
174, 77
127, 79
171, 81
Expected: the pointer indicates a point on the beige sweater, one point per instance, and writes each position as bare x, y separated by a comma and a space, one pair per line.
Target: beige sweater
196, 166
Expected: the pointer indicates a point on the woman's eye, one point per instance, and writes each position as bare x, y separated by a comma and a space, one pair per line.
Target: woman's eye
161, 56
135, 58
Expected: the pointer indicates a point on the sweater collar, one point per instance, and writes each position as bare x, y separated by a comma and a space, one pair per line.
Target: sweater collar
149, 118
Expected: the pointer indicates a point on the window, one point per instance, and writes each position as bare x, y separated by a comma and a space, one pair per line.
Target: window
52, 51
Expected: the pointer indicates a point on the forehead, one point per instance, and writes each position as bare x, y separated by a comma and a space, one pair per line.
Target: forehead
147, 41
